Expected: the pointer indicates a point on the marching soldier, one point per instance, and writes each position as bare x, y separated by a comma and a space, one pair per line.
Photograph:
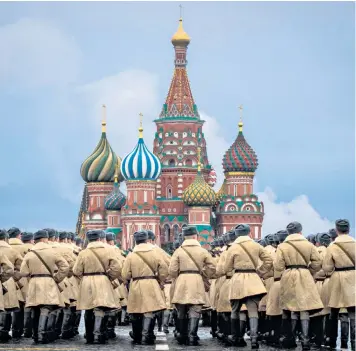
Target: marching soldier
297, 260
192, 266
46, 269
147, 271
246, 285
98, 267
339, 263
7, 271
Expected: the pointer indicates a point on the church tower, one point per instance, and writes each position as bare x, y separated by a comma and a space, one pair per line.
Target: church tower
236, 202
179, 134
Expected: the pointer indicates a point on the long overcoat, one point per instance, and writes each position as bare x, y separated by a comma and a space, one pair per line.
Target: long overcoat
298, 290
95, 288
341, 286
43, 290
243, 284
223, 302
145, 295
7, 271
189, 287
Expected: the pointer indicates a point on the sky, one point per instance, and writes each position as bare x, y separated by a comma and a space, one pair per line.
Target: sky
291, 65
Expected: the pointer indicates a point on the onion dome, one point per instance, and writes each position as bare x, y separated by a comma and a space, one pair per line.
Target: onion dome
116, 199
199, 193
220, 193
180, 38
140, 163
240, 157
100, 165
212, 177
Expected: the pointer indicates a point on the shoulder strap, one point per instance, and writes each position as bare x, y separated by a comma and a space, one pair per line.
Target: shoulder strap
345, 252
296, 248
98, 258
147, 263
191, 257
248, 254
43, 262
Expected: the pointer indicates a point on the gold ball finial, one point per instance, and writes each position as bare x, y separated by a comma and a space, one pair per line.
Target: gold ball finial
140, 129
241, 123
103, 121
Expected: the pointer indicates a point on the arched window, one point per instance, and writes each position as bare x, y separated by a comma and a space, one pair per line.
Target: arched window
188, 162
175, 231
169, 192
171, 163
167, 233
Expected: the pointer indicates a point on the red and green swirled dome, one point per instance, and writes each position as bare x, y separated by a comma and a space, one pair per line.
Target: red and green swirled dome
240, 157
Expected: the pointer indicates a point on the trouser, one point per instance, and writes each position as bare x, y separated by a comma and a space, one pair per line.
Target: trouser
67, 330
40, 322
95, 325
18, 321
5, 325
166, 316
27, 323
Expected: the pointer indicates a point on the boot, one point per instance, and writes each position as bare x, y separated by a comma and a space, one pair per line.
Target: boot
104, 328
261, 325
35, 316
27, 323
318, 331
89, 326
213, 323
17, 324
136, 333
175, 322
111, 325
273, 339
241, 341
160, 320
66, 326
235, 332
352, 334
98, 335
253, 332
305, 334
125, 316
193, 331
118, 317
294, 328
332, 332
51, 325
166, 316
42, 329
78, 317
344, 334
221, 327
287, 339
182, 334
205, 319
227, 327
146, 331
59, 322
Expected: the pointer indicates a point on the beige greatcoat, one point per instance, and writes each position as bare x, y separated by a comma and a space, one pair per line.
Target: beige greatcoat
244, 285
14, 294
341, 286
223, 302
97, 290
213, 289
22, 249
44, 290
7, 271
145, 295
189, 288
298, 290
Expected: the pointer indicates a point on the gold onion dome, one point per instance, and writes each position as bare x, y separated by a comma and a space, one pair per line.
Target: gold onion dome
199, 193
100, 166
180, 38
220, 193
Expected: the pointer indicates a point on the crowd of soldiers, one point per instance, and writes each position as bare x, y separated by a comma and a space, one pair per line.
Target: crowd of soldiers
277, 290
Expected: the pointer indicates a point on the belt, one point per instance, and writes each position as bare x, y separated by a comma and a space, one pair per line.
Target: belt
277, 279
93, 273
297, 266
166, 283
145, 277
189, 272
40, 276
344, 269
228, 277
245, 271
319, 279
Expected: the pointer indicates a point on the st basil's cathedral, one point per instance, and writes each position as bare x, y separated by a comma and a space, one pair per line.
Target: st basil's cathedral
172, 185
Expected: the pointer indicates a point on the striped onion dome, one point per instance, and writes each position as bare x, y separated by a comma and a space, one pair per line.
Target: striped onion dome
116, 199
240, 157
140, 163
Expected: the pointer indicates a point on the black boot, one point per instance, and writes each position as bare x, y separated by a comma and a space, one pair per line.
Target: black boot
166, 316
241, 341
235, 332
275, 333
332, 332
89, 326
78, 316
5, 328
4, 335
182, 334
136, 333
27, 323
193, 331
352, 334
17, 325
221, 326
42, 329
287, 339
51, 327
111, 325
118, 317
35, 316
253, 332
213, 323
98, 335
59, 322
344, 334
146, 331
159, 320
66, 325
305, 334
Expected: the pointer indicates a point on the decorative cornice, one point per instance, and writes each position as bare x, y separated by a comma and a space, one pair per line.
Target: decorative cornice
239, 173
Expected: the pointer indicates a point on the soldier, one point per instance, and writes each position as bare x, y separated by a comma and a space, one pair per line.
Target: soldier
297, 260
192, 266
46, 269
147, 271
246, 285
339, 263
98, 267
27, 240
7, 271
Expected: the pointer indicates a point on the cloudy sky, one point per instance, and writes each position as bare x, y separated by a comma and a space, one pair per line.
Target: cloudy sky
290, 64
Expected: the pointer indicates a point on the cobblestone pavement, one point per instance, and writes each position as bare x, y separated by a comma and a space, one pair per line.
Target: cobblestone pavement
123, 343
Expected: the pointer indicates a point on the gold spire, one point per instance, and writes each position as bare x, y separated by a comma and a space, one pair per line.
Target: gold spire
140, 130
199, 161
116, 175
103, 122
180, 37
240, 123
